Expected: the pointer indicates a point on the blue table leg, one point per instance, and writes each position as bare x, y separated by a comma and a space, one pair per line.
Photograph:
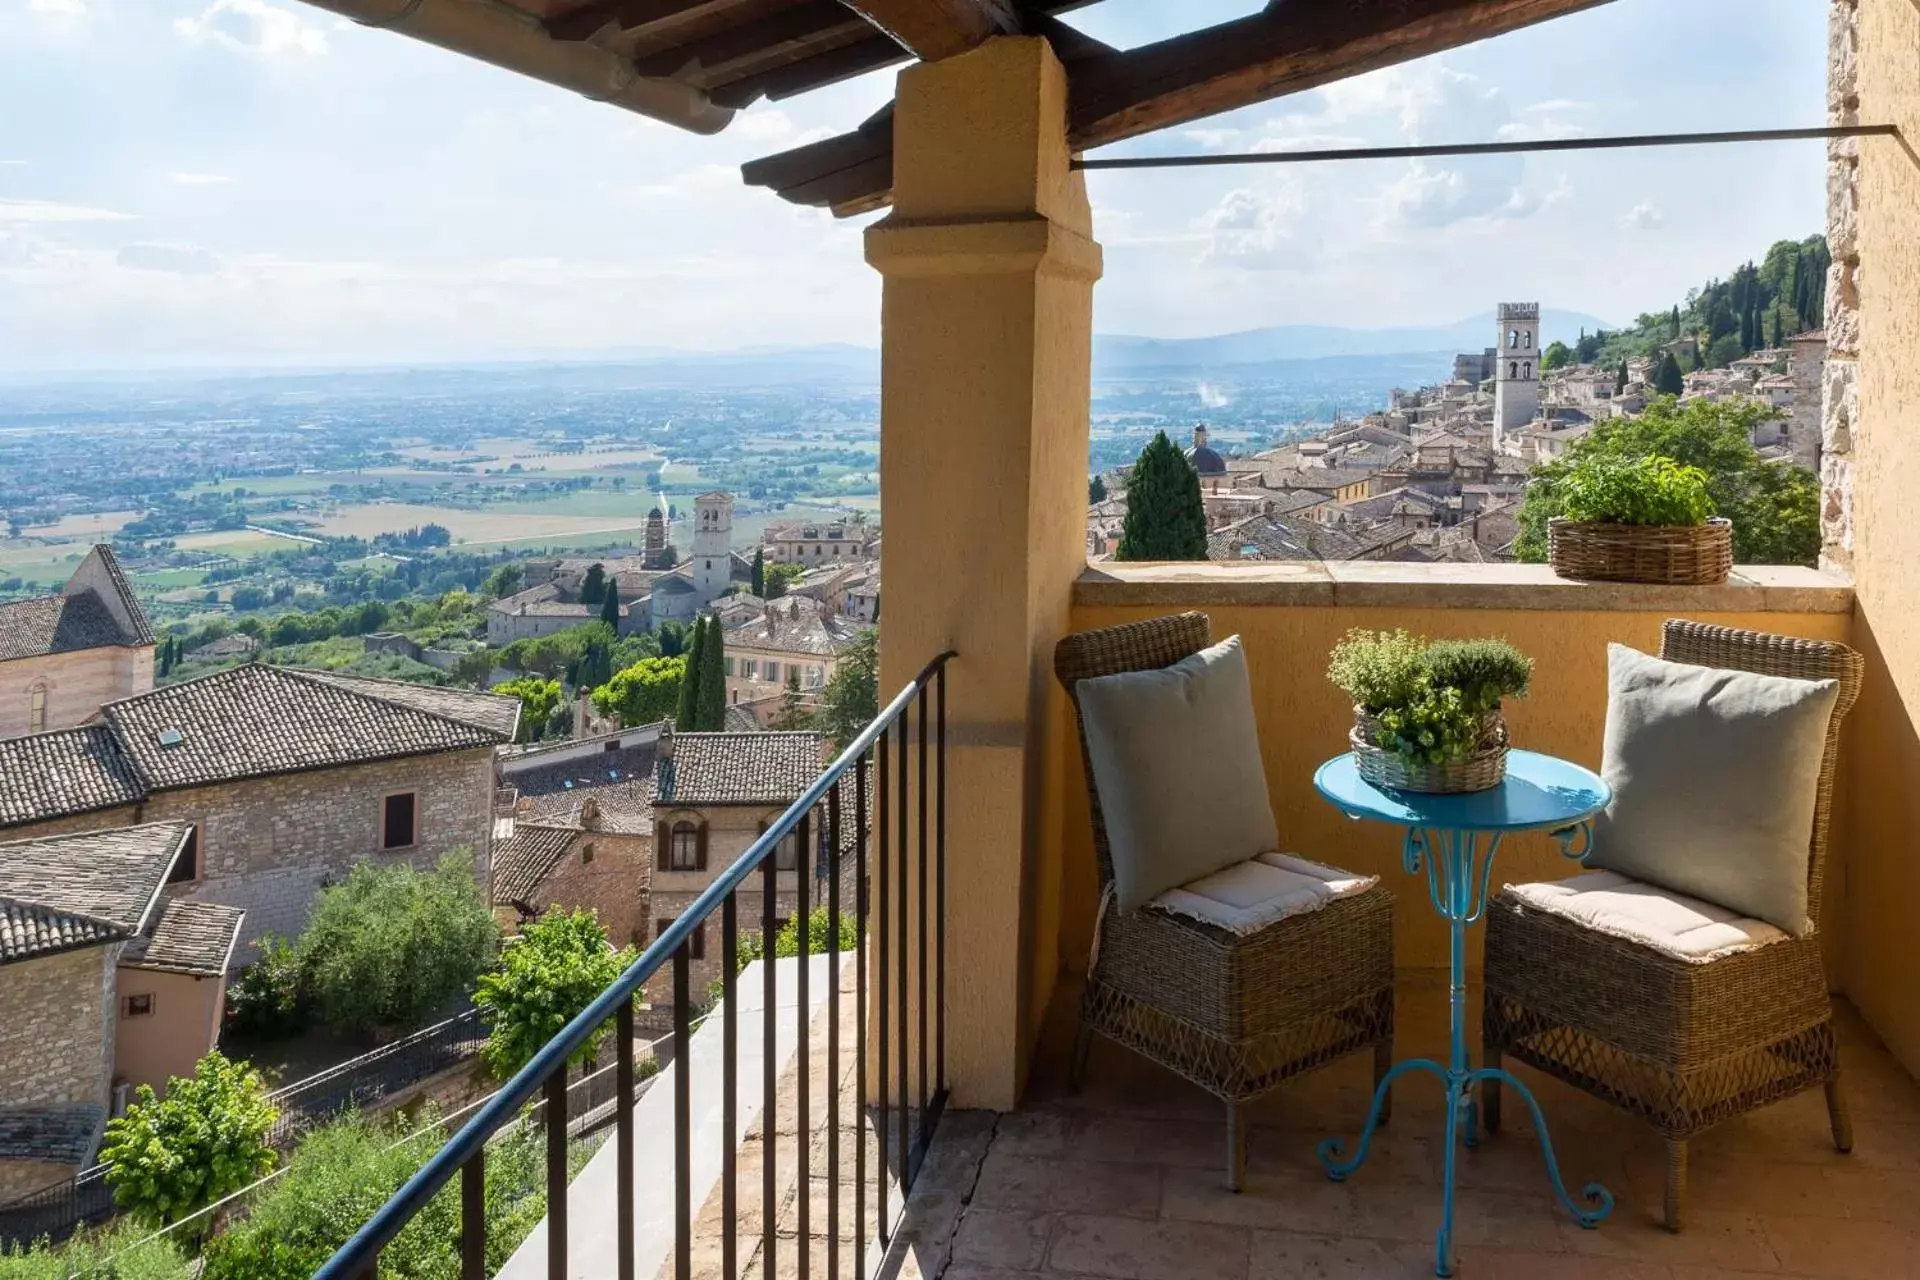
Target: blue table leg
1458, 889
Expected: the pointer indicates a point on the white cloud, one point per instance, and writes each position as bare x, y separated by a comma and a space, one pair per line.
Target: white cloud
11, 162
1644, 216
179, 179
1538, 130
167, 257
69, 8
253, 26
53, 211
1258, 229
1556, 106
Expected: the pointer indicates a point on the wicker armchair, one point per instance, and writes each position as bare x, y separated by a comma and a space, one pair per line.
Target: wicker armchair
1682, 1045
1235, 1015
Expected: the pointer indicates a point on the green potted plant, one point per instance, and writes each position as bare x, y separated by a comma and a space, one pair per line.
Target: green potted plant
1427, 713
1646, 519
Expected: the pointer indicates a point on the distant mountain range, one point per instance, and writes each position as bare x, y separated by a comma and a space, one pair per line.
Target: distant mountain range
1275, 353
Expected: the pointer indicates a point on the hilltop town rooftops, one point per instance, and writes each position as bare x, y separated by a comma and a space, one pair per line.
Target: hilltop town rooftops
245, 722
737, 768
618, 779
522, 861
83, 889
791, 626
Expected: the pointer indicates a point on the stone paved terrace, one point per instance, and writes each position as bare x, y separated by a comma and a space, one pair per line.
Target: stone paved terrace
1123, 1181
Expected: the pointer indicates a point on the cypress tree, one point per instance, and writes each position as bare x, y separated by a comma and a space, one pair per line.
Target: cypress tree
1668, 381
594, 585
610, 606
1673, 324
758, 585
1620, 378
684, 717
712, 709
1166, 518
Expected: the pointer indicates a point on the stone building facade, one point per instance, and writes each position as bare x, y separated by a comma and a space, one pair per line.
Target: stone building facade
62, 656
1840, 375
56, 1050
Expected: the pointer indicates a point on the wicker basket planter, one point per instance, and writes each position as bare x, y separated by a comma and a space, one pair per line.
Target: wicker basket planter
1671, 554
1486, 767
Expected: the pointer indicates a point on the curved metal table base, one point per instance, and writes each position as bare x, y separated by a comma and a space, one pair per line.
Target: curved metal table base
1457, 871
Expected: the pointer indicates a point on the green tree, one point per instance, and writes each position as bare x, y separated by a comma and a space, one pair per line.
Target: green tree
168, 1157
782, 576
547, 975
1673, 324
673, 639
537, 700
1774, 508
503, 581
610, 605
1620, 377
1557, 355
791, 715
594, 584
758, 583
852, 697
1166, 519
687, 711
122, 1251
392, 946
644, 693
712, 708
1724, 351
1096, 491
1667, 378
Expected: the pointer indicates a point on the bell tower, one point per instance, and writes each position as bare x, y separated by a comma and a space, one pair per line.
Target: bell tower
1516, 373
711, 563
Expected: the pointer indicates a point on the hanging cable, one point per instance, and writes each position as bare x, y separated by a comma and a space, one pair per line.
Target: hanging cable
1494, 148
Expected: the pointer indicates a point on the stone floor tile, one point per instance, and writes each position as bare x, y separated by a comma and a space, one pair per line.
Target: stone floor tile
1289, 1255
1280, 1201
1508, 1220
1476, 1263
1844, 1250
1000, 1238
1734, 1240
1133, 1249
1068, 1186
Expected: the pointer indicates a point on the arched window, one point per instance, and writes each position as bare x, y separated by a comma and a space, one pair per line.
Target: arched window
686, 847
1526, 340
1513, 368
787, 856
1513, 338
1528, 367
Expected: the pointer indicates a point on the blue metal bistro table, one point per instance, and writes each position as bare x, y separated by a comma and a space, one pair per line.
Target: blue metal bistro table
1453, 838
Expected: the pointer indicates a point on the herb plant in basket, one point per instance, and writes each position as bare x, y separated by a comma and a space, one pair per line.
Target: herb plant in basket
1646, 519
1427, 713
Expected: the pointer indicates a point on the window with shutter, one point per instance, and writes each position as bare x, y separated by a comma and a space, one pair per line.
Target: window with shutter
662, 847
701, 848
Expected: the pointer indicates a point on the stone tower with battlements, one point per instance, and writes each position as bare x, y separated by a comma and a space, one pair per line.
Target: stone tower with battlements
711, 563
1516, 374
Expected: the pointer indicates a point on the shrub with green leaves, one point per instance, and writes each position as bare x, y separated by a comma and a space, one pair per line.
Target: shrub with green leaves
786, 943
346, 1170
205, 1140
118, 1252
269, 999
547, 975
1649, 490
1427, 698
393, 946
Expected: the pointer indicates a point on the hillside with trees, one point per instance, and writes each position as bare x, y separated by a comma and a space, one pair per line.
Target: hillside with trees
1760, 306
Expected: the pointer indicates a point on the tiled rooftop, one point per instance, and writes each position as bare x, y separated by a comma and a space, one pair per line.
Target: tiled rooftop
63, 772
522, 861
66, 891
61, 1133
189, 937
738, 768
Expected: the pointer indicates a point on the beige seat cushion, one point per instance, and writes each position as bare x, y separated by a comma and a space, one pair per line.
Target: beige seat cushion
1672, 923
1248, 896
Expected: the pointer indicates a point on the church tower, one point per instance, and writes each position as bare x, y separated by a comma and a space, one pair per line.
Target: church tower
711, 563
1516, 374
656, 539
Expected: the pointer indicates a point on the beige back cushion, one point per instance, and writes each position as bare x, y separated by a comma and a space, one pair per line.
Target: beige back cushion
1715, 775
1176, 760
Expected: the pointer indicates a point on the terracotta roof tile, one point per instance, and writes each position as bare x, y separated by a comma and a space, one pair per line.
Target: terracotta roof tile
521, 863
82, 889
63, 772
738, 768
189, 937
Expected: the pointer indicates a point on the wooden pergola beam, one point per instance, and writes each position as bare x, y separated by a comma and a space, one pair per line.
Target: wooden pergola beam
623, 15
1291, 46
934, 29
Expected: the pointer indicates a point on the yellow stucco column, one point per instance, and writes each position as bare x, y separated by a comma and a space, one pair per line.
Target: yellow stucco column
987, 330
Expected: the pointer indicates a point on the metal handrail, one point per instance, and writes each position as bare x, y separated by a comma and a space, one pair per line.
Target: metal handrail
359, 1255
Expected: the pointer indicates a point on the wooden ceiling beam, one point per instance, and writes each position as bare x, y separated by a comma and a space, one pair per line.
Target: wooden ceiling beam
785, 36
1291, 46
934, 29
625, 15
849, 60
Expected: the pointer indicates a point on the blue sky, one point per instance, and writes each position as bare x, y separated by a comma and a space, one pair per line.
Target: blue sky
237, 182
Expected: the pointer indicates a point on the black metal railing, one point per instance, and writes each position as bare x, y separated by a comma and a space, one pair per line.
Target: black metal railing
890, 782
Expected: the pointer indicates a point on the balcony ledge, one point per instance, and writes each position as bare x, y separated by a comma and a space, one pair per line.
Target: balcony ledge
1379, 584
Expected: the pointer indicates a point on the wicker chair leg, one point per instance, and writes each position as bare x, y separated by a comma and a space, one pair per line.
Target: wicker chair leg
1383, 1063
1082, 1044
1837, 1115
1236, 1147
1676, 1180
1490, 1087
